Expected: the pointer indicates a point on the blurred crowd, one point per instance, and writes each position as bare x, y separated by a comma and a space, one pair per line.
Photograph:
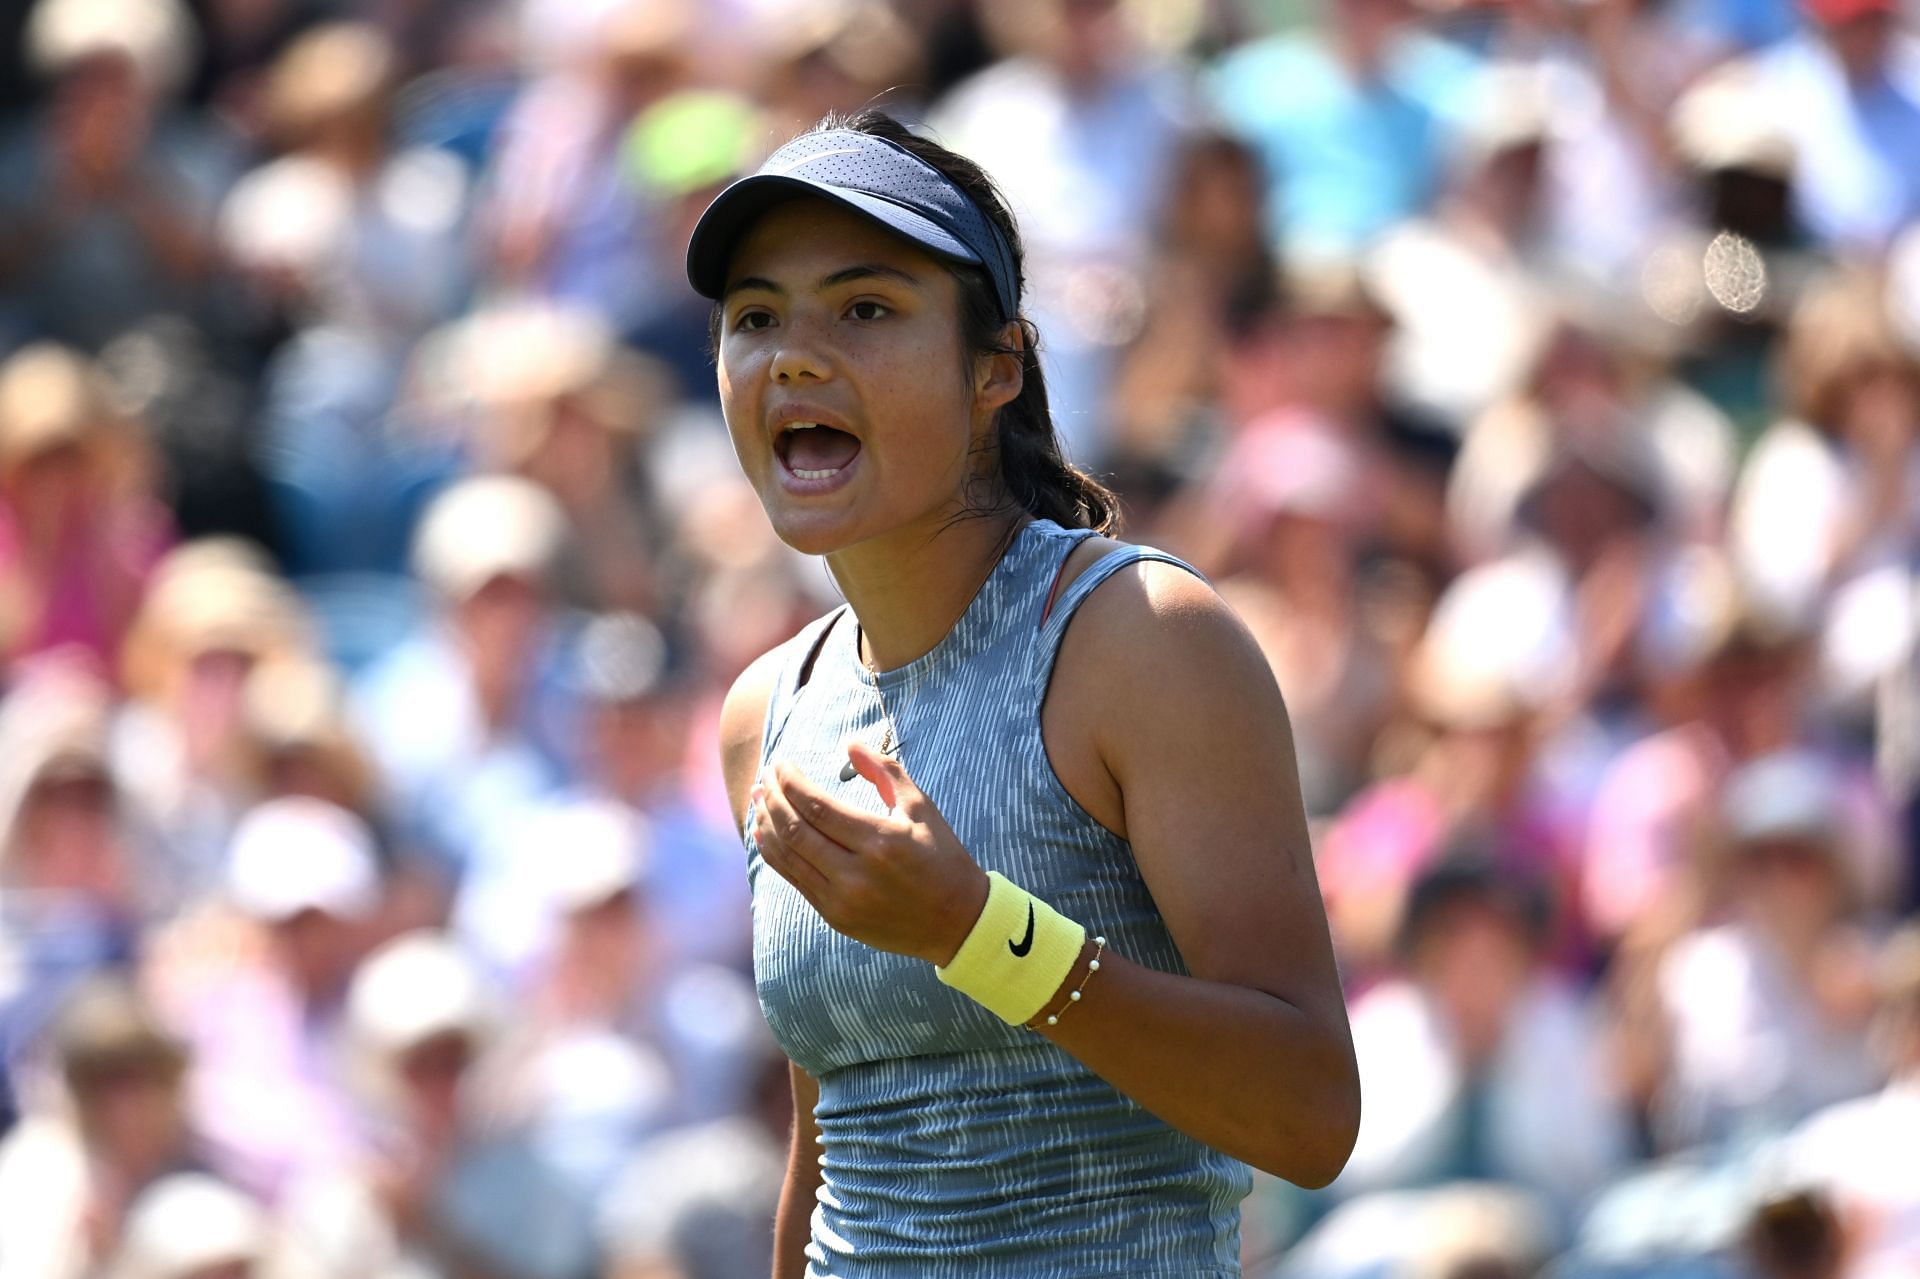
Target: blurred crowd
1540, 379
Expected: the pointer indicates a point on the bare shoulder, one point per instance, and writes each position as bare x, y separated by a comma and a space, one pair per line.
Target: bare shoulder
1166, 628
743, 718
1155, 675
1172, 696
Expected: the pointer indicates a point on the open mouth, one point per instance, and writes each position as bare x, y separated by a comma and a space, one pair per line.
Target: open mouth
812, 451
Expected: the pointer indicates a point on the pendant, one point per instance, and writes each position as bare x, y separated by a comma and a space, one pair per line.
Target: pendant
887, 747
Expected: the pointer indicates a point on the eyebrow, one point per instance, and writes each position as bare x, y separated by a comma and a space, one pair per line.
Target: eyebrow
864, 271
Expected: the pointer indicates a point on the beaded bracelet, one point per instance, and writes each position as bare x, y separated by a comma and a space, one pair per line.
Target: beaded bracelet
1093, 966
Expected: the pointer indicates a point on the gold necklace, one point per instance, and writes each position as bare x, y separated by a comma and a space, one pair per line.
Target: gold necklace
890, 738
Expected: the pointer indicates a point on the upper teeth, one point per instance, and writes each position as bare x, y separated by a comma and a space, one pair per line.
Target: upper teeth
802, 426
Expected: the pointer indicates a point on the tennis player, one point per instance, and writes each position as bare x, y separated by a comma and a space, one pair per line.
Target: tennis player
1034, 910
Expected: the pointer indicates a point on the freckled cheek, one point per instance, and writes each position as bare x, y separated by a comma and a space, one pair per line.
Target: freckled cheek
742, 410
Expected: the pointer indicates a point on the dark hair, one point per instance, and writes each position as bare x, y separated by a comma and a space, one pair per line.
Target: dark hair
1467, 875
1034, 474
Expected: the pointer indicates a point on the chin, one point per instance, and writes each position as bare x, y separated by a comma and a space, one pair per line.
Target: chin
814, 532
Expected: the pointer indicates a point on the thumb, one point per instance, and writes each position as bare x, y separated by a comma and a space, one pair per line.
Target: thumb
888, 775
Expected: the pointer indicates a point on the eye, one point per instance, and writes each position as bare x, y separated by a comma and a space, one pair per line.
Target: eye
867, 309
752, 321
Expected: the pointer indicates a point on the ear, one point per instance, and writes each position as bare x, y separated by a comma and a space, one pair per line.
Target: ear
998, 379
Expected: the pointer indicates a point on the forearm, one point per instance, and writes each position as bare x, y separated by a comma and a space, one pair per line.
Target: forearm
792, 1223
1245, 1072
791, 1226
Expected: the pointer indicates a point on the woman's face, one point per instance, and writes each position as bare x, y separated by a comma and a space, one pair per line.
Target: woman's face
829, 319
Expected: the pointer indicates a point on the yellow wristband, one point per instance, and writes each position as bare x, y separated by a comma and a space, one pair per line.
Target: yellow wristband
1017, 956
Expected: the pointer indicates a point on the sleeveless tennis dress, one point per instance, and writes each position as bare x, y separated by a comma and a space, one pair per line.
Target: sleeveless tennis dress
955, 1144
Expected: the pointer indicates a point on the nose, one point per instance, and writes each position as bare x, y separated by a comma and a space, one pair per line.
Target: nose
801, 355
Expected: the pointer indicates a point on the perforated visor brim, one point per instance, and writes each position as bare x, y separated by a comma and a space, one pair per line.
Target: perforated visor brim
735, 210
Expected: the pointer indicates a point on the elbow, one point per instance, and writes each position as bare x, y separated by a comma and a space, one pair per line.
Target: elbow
1315, 1149
1318, 1171
1316, 1166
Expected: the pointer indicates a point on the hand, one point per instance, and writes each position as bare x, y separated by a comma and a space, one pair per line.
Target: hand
901, 881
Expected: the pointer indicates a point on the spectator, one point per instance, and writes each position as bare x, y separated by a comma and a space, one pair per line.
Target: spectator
74, 888
640, 713
295, 718
261, 998
561, 220
556, 399
1847, 1152
837, 55
1302, 503
1464, 272
1847, 90
1478, 1063
358, 247
699, 1203
470, 719
80, 529
1352, 121
109, 199
681, 151
70, 1175
436, 1190
1725, 683
1211, 266
1591, 403
1702, 277
1825, 495
1081, 126
215, 613
590, 1075
1767, 1012
1485, 686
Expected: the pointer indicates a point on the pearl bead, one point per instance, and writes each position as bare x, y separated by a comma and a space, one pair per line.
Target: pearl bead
1093, 966
1076, 996
1053, 1021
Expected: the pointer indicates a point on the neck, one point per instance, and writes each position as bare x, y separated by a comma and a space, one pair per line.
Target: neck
909, 587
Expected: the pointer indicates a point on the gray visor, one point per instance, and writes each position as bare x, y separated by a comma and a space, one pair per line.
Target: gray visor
868, 175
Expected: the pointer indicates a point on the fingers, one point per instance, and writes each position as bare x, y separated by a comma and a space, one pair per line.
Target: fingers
846, 827
889, 776
872, 765
792, 864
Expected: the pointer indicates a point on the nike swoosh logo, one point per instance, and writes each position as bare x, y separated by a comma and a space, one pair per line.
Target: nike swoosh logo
1026, 943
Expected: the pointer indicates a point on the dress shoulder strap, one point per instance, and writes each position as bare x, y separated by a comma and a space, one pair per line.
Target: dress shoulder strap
1053, 627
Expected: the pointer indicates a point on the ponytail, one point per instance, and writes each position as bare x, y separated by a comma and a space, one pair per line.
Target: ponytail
1034, 473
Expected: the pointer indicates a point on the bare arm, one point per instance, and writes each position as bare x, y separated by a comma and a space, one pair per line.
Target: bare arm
1251, 1053
742, 720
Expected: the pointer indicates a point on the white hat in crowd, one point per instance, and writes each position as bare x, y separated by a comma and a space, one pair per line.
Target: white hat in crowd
416, 988
297, 854
484, 528
156, 36
187, 1223
1498, 647
1787, 795
589, 852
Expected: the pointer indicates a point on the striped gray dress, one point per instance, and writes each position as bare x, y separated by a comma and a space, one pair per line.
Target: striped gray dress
954, 1144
